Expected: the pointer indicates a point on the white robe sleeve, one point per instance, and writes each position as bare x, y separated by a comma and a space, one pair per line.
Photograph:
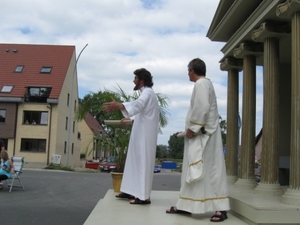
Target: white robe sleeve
135, 107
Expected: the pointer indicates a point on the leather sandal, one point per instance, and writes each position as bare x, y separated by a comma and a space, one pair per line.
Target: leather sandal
221, 217
174, 210
138, 201
124, 195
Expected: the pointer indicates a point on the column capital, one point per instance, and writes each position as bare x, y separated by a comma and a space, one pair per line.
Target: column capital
286, 9
248, 48
231, 63
271, 29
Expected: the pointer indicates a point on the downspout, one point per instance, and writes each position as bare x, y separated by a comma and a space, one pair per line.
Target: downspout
16, 127
49, 133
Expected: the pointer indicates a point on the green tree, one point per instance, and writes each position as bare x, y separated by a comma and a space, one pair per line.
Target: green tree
176, 146
92, 103
162, 151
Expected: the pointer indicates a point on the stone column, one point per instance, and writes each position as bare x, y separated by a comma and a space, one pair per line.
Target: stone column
248, 52
291, 9
233, 66
269, 34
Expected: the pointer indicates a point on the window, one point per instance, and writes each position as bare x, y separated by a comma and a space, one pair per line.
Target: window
19, 69
78, 135
2, 115
35, 117
68, 100
75, 105
5, 142
37, 94
33, 145
72, 148
7, 88
65, 148
46, 69
66, 123
73, 126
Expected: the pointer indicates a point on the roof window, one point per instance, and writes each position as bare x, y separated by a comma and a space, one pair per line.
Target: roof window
19, 69
7, 88
46, 69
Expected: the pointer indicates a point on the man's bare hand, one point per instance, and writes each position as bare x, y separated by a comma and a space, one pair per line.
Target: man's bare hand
189, 133
125, 121
112, 106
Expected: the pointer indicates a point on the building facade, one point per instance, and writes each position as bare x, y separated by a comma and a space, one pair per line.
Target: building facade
38, 98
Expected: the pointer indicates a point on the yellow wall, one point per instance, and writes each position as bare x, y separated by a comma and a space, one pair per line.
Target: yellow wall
86, 139
60, 118
31, 131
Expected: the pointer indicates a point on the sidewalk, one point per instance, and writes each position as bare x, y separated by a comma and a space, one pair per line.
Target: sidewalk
111, 210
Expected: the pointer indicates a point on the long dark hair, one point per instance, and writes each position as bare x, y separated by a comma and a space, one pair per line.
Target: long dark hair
144, 75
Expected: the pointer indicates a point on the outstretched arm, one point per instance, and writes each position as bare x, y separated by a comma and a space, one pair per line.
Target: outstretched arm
112, 106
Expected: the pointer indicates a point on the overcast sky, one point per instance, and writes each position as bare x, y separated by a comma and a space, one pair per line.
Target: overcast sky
123, 35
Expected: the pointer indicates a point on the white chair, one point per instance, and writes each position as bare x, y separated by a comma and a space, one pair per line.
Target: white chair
18, 162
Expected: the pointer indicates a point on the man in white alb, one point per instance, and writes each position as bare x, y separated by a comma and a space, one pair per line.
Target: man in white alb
203, 180
138, 172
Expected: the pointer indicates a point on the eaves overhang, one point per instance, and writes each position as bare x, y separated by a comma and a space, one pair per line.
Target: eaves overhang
234, 18
11, 99
266, 11
52, 100
222, 9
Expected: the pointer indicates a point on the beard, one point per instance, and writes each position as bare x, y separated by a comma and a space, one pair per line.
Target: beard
136, 87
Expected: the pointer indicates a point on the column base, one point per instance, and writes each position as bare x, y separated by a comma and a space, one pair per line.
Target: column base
245, 184
268, 189
291, 197
231, 179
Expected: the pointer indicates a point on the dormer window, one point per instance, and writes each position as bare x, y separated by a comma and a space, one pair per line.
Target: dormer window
37, 94
7, 88
19, 69
46, 69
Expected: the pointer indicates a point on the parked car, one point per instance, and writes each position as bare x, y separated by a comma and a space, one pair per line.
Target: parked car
156, 169
108, 165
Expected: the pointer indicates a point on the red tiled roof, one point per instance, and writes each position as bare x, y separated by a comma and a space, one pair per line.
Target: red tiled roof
93, 124
33, 58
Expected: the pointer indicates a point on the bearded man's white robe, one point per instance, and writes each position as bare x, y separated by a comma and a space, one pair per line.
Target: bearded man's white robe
138, 172
203, 181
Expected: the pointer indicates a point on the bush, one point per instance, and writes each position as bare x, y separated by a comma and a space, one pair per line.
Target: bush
58, 167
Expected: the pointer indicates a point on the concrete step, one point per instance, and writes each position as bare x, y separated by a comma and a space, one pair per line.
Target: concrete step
111, 210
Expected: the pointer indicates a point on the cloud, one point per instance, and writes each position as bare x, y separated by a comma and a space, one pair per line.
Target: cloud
123, 35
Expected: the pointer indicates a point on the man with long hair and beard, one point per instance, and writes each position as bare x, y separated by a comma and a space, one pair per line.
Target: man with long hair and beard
138, 172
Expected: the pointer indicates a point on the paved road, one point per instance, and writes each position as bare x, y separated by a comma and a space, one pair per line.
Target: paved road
62, 198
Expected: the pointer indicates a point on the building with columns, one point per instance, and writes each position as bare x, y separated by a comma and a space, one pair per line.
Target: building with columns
262, 33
